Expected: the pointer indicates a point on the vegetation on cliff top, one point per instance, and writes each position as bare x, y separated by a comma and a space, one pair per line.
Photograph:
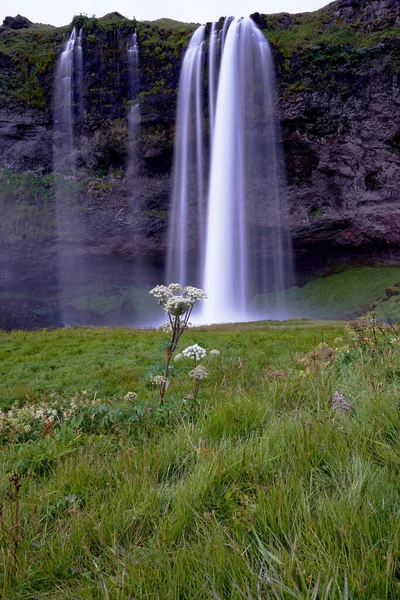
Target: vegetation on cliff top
27, 56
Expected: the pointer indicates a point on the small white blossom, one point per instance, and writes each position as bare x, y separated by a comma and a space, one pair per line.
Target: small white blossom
195, 352
177, 305
200, 372
194, 293
131, 396
178, 357
175, 300
215, 352
175, 287
160, 292
159, 380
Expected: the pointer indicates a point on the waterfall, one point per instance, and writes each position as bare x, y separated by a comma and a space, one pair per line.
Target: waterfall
80, 78
224, 32
186, 234
134, 111
63, 110
247, 252
241, 253
212, 68
71, 273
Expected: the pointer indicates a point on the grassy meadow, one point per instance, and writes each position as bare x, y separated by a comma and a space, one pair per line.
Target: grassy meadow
260, 488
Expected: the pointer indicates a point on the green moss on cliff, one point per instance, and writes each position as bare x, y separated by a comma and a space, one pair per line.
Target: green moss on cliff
304, 44
27, 57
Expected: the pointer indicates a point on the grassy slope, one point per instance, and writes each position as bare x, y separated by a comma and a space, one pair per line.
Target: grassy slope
353, 291
259, 490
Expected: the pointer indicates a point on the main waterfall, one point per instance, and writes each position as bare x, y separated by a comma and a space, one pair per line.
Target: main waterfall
236, 248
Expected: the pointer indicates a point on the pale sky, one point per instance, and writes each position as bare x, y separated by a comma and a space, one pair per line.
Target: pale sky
60, 13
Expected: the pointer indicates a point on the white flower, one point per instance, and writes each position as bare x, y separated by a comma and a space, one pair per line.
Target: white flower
195, 352
215, 352
159, 380
178, 357
177, 306
194, 293
161, 292
175, 287
131, 396
175, 300
198, 373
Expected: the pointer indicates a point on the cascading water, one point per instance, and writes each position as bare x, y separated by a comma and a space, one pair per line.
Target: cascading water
186, 234
224, 32
80, 78
245, 258
69, 248
212, 75
63, 110
134, 111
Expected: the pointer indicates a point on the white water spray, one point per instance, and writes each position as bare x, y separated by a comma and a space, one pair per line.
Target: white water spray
246, 252
186, 235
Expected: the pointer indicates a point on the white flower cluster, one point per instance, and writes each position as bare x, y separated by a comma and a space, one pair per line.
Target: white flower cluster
215, 352
159, 380
162, 292
178, 357
194, 293
195, 352
20, 420
177, 305
131, 396
200, 372
175, 299
24, 420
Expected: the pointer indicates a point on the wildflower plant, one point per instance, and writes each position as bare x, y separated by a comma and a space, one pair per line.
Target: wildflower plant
195, 354
198, 374
178, 303
340, 405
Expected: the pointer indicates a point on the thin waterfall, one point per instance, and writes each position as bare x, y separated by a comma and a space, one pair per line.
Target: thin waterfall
63, 110
212, 75
134, 115
71, 268
80, 78
224, 32
186, 233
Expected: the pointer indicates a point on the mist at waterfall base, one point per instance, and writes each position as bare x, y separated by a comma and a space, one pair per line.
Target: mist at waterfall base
227, 232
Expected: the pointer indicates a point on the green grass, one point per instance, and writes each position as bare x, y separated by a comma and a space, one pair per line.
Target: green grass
258, 490
354, 291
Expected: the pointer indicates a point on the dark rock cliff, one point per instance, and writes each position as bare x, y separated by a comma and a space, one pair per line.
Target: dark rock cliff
339, 86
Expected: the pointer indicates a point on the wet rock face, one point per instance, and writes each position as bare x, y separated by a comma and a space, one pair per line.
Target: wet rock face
25, 146
369, 12
345, 188
340, 108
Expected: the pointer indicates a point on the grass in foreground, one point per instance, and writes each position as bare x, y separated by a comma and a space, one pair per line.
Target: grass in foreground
259, 490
